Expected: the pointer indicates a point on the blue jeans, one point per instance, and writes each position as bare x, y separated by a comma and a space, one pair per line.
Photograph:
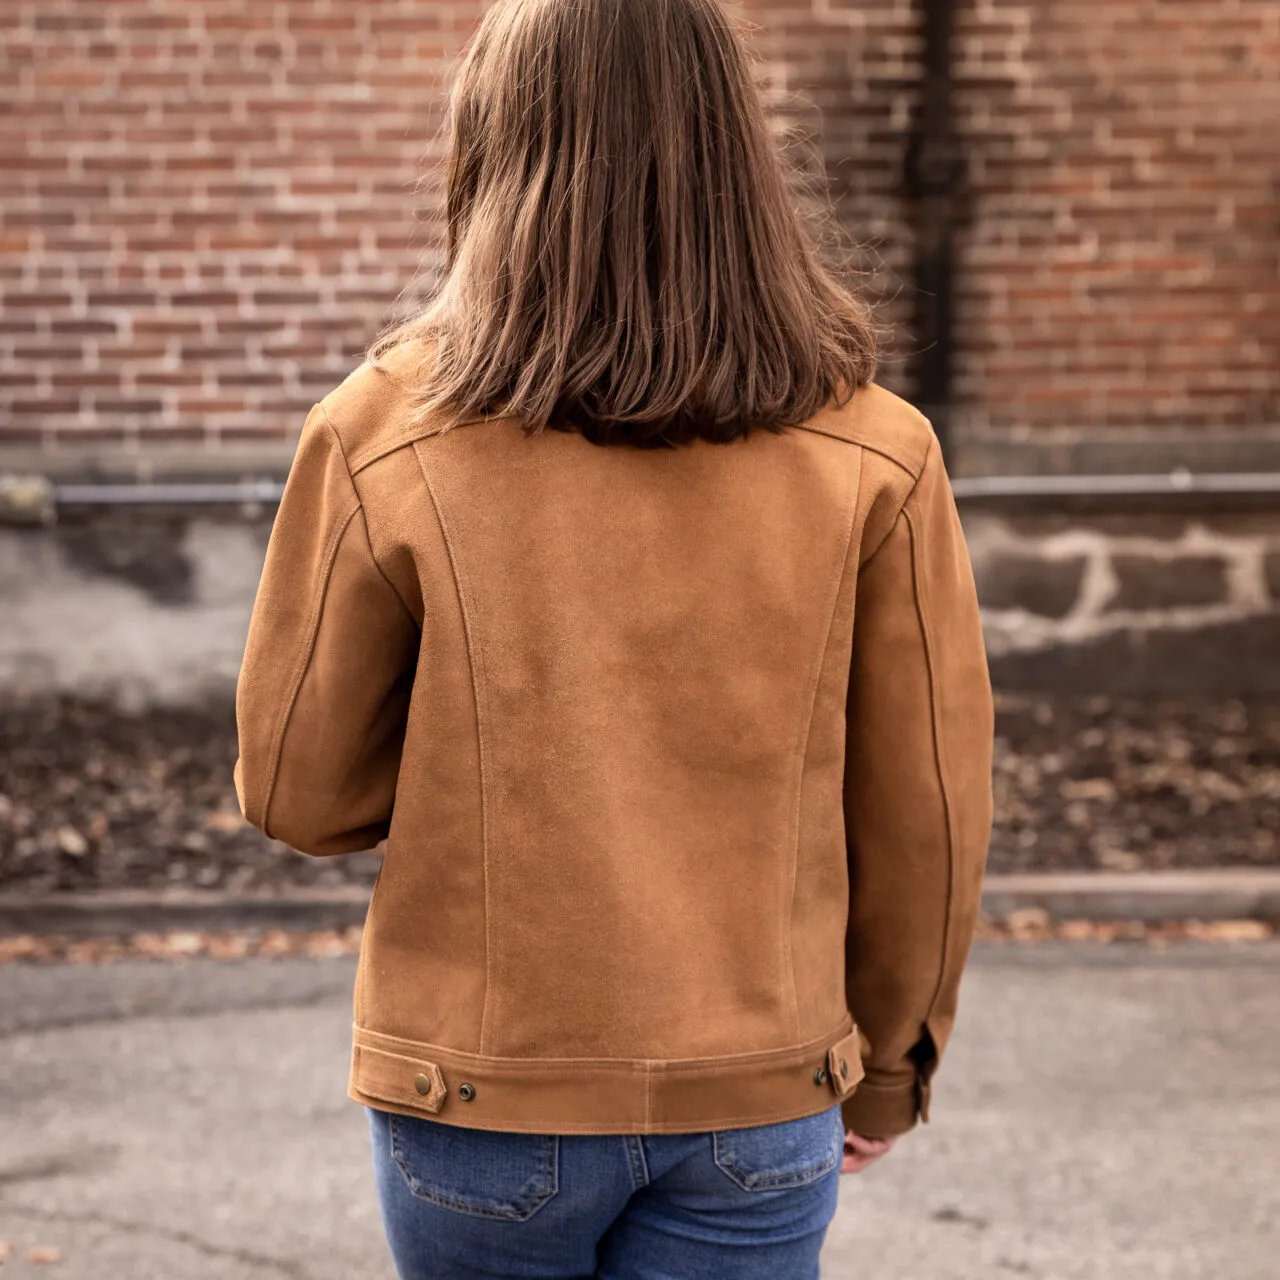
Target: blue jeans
734, 1204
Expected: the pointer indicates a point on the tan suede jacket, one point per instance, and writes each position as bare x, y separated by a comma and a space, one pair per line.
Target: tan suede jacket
682, 759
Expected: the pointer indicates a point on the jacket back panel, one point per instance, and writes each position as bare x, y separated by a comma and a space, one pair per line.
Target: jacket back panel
619, 806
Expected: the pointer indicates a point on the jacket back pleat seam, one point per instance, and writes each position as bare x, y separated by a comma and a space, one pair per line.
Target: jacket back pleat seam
475, 659
815, 681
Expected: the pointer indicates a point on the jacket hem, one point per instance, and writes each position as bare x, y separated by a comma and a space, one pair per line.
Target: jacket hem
602, 1095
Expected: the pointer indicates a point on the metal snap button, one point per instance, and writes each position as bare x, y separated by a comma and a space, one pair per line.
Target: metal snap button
820, 1076
466, 1092
422, 1084
844, 1067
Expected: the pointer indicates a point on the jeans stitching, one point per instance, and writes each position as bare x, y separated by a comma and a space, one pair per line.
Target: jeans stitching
634, 1146
520, 1207
722, 1154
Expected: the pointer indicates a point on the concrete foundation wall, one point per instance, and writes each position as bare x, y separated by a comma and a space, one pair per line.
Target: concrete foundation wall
1135, 603
152, 608
141, 610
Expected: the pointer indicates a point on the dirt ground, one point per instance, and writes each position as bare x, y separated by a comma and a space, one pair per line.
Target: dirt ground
90, 797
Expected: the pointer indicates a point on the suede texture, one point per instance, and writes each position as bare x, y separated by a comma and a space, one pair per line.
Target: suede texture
682, 760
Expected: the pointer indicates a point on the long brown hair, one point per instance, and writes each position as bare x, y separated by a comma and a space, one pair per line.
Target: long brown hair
625, 255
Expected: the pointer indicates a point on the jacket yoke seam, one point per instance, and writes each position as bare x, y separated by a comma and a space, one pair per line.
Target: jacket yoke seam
475, 659
378, 449
304, 661
935, 700
383, 448
859, 441
854, 477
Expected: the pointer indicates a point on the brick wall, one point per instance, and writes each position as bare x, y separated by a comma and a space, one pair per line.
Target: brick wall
1122, 259
207, 210
842, 80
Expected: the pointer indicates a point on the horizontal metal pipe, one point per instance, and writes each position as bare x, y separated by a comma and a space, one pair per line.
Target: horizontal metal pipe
1178, 483
167, 494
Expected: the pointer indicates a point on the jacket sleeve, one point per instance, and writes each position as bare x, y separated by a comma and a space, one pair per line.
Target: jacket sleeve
918, 800
323, 694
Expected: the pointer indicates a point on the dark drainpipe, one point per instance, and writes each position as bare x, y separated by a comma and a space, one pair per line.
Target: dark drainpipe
934, 172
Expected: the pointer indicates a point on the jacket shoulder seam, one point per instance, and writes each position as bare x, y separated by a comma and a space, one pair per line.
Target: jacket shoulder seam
378, 448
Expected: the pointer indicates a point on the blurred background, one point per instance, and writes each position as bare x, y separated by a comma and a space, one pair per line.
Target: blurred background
1069, 216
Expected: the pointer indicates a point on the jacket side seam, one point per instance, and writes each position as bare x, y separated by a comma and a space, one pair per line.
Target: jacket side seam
342, 453
304, 662
935, 700
806, 733
475, 660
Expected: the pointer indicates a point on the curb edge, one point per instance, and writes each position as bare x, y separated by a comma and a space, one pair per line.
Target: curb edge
1149, 897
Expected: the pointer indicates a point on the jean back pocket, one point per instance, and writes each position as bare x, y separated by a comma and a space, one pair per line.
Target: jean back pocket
479, 1172
772, 1157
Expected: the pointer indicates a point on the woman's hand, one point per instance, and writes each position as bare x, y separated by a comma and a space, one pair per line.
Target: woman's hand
859, 1152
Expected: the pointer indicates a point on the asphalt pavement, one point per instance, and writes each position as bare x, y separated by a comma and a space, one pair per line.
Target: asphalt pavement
1104, 1112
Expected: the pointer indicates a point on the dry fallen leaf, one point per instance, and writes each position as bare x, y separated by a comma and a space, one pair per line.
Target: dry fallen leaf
6, 1251
23, 947
1229, 930
71, 842
1075, 930
232, 946
1027, 920
1088, 789
223, 820
41, 1255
